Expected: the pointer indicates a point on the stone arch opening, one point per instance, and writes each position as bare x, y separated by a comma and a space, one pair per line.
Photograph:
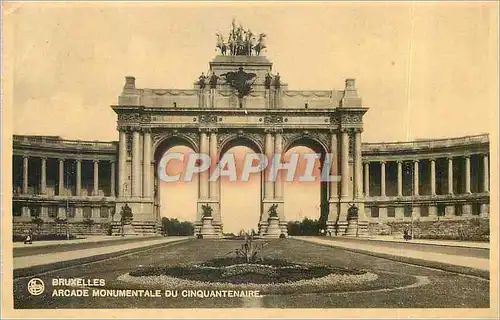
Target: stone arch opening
174, 199
240, 201
300, 192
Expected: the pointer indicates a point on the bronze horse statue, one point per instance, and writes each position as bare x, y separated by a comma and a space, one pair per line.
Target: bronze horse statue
261, 44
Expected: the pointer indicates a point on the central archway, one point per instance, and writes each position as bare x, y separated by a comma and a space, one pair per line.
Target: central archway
240, 201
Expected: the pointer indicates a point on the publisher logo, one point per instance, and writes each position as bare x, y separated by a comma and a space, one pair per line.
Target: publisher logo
36, 286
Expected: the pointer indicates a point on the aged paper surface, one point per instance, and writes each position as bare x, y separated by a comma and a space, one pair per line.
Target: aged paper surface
387, 112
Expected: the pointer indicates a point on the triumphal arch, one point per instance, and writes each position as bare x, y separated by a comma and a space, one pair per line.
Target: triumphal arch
241, 102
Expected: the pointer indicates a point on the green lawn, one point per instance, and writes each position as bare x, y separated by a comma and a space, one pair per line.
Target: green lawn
392, 289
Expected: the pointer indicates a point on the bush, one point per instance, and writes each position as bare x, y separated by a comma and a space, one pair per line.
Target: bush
307, 227
173, 227
43, 237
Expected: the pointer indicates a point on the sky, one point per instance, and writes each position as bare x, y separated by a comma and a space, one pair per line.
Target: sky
425, 70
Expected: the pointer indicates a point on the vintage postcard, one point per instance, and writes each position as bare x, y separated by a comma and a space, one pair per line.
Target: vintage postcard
250, 160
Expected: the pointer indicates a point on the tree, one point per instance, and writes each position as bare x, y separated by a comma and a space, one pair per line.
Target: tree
306, 227
173, 227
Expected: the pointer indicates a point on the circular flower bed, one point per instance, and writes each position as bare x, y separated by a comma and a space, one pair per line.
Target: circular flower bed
267, 276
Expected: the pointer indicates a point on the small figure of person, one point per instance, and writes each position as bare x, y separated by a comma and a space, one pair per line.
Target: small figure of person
213, 81
201, 80
29, 237
277, 81
267, 82
406, 234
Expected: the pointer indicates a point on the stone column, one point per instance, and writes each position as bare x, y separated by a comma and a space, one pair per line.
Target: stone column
136, 165
382, 178
113, 174
268, 185
415, 177
486, 175
358, 169
61, 177
467, 174
278, 184
146, 164
334, 191
203, 176
95, 189
433, 176
400, 178
78, 187
43, 176
214, 185
345, 164
367, 179
450, 175
122, 161
25, 174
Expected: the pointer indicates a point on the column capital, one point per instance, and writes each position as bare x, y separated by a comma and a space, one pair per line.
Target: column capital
382, 162
333, 131
78, 160
449, 157
399, 161
432, 159
95, 160
416, 160
43, 158
25, 156
357, 130
146, 130
344, 130
61, 159
367, 162
204, 130
467, 156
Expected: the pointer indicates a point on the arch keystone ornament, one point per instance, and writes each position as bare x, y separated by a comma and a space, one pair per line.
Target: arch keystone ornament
252, 106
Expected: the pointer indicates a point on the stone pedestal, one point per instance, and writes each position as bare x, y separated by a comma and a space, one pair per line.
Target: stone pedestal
273, 229
352, 228
207, 230
128, 230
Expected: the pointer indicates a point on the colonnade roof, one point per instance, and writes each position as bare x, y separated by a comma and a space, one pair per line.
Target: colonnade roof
56, 143
425, 145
